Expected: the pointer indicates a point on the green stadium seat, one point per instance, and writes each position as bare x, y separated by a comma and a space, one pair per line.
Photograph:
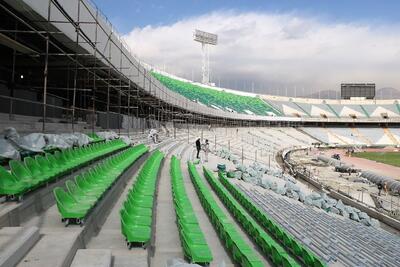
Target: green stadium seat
136, 214
10, 185
270, 246
89, 186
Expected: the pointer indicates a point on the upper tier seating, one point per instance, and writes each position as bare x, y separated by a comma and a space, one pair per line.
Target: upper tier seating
325, 109
32, 173
218, 99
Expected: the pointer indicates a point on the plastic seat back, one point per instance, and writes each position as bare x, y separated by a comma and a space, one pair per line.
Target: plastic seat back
44, 163
6, 178
19, 170
32, 166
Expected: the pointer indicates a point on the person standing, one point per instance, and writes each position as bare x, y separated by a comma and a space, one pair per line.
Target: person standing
206, 148
198, 147
380, 186
385, 188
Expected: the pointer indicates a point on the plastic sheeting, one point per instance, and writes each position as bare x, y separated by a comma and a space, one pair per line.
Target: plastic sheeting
8, 151
76, 139
33, 142
392, 184
108, 135
55, 141
126, 140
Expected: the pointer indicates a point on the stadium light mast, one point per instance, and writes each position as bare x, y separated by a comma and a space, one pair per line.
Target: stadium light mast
206, 39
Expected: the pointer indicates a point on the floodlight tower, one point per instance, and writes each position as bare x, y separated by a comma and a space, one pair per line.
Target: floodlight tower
206, 39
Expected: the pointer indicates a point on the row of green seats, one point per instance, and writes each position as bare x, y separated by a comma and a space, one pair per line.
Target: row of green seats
212, 97
137, 211
95, 137
89, 186
34, 172
242, 253
266, 243
286, 239
195, 246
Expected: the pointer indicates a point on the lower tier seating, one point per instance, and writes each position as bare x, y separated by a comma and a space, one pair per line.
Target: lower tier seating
194, 245
34, 172
89, 187
265, 242
242, 253
287, 240
137, 211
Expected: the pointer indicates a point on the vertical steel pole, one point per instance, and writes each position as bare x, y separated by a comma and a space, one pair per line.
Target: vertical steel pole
76, 67
45, 84
45, 73
12, 87
129, 106
94, 72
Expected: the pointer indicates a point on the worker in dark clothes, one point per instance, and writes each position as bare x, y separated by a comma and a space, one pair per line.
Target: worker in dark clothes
198, 148
380, 186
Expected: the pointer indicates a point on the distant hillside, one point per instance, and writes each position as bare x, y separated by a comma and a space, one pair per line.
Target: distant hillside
382, 93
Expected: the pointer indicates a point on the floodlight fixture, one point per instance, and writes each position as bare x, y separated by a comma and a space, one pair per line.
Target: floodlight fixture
206, 39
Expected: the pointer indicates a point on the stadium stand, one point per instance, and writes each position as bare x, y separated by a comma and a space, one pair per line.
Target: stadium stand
113, 194
288, 241
217, 98
270, 248
35, 172
330, 237
81, 196
194, 245
241, 252
137, 211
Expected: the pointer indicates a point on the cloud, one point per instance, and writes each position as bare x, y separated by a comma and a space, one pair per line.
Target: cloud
274, 51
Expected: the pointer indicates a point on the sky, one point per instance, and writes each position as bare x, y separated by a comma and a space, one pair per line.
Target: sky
272, 47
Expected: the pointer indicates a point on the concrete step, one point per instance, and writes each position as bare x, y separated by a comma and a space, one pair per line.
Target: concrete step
15, 242
56, 248
92, 258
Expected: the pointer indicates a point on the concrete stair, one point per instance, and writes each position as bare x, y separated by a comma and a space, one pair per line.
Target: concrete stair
92, 258
15, 242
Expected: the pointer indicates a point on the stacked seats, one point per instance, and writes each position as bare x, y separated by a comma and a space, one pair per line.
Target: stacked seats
271, 248
215, 98
287, 240
34, 172
88, 188
194, 245
137, 211
242, 254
